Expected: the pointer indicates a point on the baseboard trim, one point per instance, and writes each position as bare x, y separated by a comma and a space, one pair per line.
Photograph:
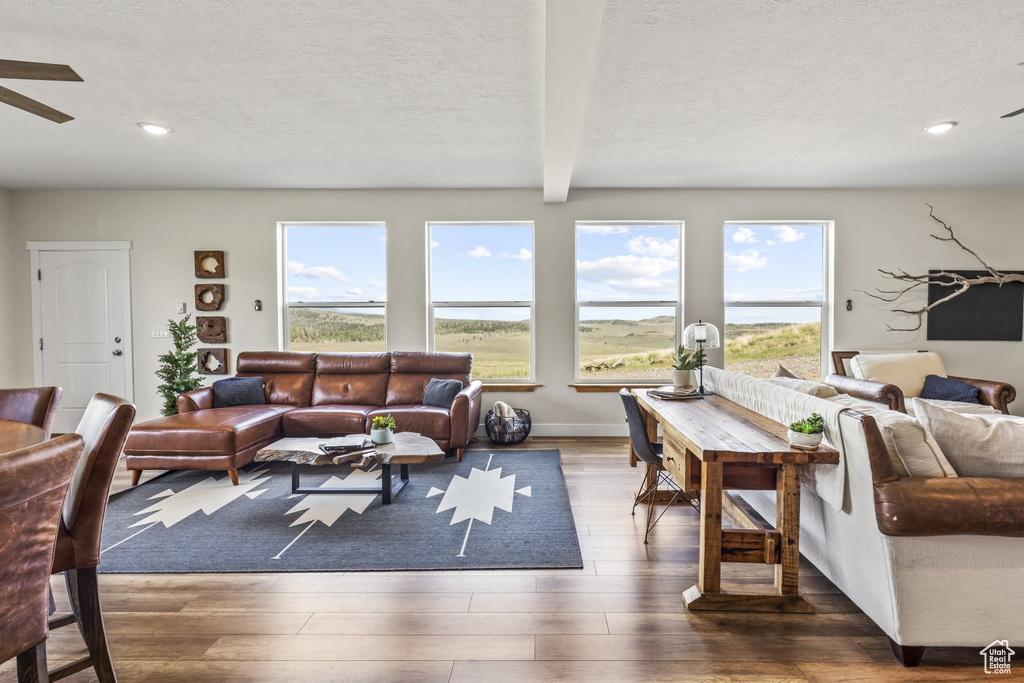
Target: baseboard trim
571, 430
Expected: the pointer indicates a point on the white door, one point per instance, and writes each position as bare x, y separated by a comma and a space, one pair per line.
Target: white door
84, 327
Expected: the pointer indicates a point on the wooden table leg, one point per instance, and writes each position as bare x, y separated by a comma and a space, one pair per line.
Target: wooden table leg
709, 576
707, 595
787, 522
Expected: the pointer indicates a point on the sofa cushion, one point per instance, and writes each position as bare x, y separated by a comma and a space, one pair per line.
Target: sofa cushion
239, 391
783, 371
411, 371
905, 370
976, 445
429, 421
217, 431
326, 420
288, 375
912, 450
949, 389
351, 378
805, 386
441, 392
956, 407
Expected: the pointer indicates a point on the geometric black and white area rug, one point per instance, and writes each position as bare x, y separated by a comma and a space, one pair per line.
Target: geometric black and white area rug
494, 510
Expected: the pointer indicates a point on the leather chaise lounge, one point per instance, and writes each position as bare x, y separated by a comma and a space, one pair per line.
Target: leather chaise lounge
308, 394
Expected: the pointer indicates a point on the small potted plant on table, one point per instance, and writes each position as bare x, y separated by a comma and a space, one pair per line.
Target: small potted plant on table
382, 429
683, 363
807, 433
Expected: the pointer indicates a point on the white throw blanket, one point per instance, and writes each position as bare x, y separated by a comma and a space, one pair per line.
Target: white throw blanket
787, 406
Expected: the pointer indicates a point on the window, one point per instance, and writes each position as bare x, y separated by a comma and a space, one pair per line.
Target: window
334, 281
481, 293
627, 300
775, 305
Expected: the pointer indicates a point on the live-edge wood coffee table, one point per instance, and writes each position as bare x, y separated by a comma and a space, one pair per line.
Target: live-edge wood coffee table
407, 448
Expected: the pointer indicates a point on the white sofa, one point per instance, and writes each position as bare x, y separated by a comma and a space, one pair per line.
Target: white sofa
934, 562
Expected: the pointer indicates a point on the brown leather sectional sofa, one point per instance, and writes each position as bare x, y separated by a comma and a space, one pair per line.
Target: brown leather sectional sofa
308, 394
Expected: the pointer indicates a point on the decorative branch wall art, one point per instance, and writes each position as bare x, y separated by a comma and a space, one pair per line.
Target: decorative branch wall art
949, 285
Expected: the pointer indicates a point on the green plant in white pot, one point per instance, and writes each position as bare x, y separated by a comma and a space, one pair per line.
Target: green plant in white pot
807, 433
382, 429
683, 363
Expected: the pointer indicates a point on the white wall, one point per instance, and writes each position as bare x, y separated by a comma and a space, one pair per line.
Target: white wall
12, 270
874, 228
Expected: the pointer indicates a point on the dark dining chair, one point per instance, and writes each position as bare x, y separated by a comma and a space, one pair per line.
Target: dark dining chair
34, 405
104, 426
33, 482
650, 452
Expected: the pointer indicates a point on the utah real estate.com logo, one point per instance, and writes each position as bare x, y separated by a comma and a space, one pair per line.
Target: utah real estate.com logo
997, 657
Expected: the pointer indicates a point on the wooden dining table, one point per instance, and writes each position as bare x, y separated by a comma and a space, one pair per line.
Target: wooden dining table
15, 435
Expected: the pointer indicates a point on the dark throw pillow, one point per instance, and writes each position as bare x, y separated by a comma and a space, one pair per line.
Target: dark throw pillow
441, 392
238, 391
949, 389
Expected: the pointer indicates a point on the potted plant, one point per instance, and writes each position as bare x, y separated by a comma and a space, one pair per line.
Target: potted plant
807, 433
382, 429
683, 363
178, 367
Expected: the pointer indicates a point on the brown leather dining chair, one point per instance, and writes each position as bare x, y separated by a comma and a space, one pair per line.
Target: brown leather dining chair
104, 427
33, 482
35, 406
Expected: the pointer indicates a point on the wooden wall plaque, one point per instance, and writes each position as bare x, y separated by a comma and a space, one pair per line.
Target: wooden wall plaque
216, 297
212, 329
213, 361
209, 264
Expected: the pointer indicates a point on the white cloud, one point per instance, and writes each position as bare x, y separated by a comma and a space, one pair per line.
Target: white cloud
630, 272
384, 238
742, 261
304, 294
605, 229
316, 272
434, 243
786, 234
522, 255
654, 246
355, 291
479, 251
744, 236
376, 284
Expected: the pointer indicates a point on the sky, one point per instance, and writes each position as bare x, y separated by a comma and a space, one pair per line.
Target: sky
332, 263
627, 262
621, 262
777, 262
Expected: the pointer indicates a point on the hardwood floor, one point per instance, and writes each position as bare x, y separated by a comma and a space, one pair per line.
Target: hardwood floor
620, 618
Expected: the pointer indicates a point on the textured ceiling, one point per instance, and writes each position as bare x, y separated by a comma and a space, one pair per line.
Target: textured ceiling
804, 93
278, 93
446, 93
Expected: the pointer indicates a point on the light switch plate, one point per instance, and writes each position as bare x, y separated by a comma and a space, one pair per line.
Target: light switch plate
180, 306
160, 333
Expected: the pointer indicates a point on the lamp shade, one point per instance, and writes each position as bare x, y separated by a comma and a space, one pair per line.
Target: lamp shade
701, 335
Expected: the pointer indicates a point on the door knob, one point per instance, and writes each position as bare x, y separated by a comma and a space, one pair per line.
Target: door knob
117, 340
117, 352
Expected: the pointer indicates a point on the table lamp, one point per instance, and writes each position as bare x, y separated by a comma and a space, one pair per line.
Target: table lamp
701, 335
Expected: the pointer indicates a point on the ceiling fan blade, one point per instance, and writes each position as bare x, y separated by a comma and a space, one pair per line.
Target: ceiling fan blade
37, 71
31, 106
1012, 114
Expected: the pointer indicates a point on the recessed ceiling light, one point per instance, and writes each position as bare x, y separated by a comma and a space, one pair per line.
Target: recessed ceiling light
154, 128
938, 128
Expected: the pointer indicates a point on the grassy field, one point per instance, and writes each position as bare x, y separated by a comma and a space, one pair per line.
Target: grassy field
609, 349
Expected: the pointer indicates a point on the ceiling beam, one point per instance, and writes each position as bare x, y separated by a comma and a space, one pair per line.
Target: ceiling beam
571, 31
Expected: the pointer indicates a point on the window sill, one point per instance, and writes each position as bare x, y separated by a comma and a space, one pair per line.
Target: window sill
616, 386
498, 386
